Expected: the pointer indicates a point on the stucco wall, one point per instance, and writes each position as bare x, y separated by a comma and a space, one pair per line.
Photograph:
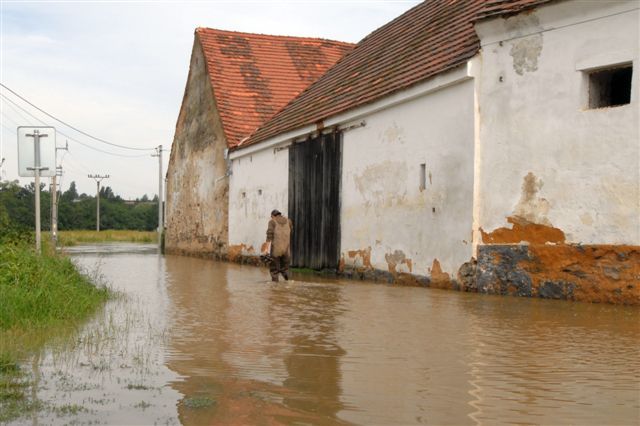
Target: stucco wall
197, 189
545, 157
259, 183
388, 221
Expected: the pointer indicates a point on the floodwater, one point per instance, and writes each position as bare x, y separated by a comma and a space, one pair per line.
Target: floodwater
193, 341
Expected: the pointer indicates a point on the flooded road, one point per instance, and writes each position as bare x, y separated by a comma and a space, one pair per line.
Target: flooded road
193, 341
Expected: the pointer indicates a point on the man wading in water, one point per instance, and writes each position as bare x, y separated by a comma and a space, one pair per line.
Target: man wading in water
279, 238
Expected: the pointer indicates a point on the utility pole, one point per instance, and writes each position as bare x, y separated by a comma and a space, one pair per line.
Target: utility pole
54, 202
36, 168
98, 179
54, 207
160, 194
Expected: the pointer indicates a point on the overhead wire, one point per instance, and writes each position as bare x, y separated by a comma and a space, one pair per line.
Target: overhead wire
7, 118
64, 134
73, 127
14, 109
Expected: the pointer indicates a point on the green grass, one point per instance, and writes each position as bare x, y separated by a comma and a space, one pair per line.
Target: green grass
41, 291
72, 238
37, 293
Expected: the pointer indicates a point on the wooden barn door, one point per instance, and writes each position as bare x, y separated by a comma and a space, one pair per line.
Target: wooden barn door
314, 201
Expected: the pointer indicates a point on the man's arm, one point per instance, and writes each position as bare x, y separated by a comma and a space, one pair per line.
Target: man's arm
270, 229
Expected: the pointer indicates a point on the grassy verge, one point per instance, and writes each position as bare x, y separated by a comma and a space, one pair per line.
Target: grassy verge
39, 291
72, 238
36, 293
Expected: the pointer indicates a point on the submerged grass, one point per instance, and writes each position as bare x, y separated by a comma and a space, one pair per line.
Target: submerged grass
71, 238
38, 291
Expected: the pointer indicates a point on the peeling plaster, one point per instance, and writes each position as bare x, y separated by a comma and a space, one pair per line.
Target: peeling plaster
379, 184
398, 262
393, 134
525, 51
523, 231
359, 259
235, 252
197, 204
439, 279
532, 208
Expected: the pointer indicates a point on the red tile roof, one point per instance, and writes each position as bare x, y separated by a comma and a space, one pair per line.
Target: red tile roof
507, 7
255, 75
433, 37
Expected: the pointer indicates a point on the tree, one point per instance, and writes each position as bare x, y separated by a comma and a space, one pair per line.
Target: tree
75, 211
71, 193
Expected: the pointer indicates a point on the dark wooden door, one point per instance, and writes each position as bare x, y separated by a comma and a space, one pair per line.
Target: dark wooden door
314, 201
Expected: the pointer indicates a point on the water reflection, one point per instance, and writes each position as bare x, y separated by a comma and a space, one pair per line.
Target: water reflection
251, 349
547, 361
194, 341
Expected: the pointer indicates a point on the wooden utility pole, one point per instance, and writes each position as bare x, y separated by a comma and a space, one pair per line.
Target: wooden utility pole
54, 201
160, 195
98, 179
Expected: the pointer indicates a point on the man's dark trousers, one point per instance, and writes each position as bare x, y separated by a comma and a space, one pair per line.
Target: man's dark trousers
280, 265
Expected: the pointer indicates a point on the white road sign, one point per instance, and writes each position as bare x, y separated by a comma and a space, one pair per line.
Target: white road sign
27, 154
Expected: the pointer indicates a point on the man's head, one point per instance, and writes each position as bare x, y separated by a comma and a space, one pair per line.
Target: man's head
275, 213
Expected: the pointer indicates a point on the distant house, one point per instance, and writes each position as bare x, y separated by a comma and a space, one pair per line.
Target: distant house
236, 82
488, 146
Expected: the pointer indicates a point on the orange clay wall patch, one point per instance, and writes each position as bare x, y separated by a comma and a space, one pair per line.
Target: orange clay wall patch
589, 273
523, 231
236, 252
398, 262
439, 279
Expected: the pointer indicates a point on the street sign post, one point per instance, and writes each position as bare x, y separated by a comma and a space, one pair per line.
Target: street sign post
27, 151
37, 157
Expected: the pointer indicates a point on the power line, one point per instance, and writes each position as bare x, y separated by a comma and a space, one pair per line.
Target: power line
74, 128
14, 109
7, 118
64, 134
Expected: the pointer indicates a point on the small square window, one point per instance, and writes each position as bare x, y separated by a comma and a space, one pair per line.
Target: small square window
610, 87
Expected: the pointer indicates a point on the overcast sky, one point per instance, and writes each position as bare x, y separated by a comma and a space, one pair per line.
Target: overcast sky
117, 70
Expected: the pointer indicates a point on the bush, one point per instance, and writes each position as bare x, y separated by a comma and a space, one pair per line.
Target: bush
13, 233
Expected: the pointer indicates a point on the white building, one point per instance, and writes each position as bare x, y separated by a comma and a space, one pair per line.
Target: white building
503, 131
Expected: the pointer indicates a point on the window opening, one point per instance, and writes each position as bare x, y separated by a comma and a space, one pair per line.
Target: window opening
610, 87
423, 176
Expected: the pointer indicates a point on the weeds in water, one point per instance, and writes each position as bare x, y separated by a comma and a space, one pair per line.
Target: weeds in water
142, 405
198, 402
13, 383
131, 386
70, 410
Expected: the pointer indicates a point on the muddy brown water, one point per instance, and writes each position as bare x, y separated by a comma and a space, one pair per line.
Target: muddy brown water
199, 342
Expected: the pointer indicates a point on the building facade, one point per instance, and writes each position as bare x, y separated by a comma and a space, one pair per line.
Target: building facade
236, 82
558, 194
481, 146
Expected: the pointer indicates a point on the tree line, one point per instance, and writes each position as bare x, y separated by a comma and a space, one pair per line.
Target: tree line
76, 211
